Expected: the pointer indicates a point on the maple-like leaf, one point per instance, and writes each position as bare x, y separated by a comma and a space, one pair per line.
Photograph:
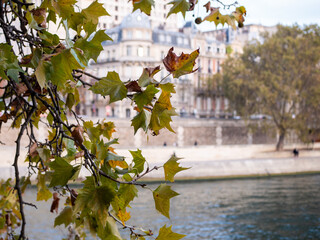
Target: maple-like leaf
65, 217
93, 47
143, 5
165, 233
141, 120
147, 75
43, 191
138, 160
94, 11
62, 172
171, 168
181, 65
145, 97
110, 86
179, 6
162, 197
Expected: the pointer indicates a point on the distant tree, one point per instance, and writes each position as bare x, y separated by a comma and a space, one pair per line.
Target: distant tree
40, 73
279, 77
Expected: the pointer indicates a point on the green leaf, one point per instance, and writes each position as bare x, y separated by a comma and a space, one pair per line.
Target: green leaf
70, 100
65, 217
165, 233
42, 73
64, 7
171, 168
161, 118
43, 192
94, 11
9, 66
44, 154
179, 6
147, 75
168, 87
141, 120
145, 97
110, 86
95, 198
63, 64
93, 47
62, 172
138, 160
71, 150
162, 197
109, 231
32, 22
126, 194
143, 5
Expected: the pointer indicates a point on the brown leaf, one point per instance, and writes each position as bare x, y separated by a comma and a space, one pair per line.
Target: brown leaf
74, 196
153, 71
77, 135
133, 86
26, 59
33, 150
39, 15
55, 203
8, 220
192, 4
4, 117
181, 65
79, 154
21, 88
207, 6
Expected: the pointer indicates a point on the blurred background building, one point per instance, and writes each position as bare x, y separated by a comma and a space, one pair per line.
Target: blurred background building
141, 41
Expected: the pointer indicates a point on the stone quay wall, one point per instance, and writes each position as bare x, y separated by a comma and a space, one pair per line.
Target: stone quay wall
188, 132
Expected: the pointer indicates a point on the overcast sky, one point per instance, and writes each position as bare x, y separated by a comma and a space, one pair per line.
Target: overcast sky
272, 12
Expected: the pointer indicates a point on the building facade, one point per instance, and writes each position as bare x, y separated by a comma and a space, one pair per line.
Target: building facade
136, 45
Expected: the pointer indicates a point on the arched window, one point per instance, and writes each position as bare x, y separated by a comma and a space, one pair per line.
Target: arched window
140, 51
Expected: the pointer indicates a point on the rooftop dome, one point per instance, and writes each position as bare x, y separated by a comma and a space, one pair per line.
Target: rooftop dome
137, 19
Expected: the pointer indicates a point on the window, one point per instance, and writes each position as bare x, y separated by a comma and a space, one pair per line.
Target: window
186, 42
218, 50
129, 34
161, 38
108, 55
162, 56
104, 25
116, 17
168, 38
148, 51
138, 34
129, 50
116, 8
128, 112
208, 48
140, 51
113, 54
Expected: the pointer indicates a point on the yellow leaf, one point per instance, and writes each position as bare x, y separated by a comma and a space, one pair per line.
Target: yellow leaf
124, 216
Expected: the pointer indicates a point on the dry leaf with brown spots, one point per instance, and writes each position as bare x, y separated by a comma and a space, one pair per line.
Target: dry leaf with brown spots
180, 65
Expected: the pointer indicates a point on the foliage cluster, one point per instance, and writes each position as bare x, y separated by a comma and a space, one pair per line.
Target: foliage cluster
40, 75
280, 78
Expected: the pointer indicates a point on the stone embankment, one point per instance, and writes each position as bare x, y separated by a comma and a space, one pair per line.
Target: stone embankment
212, 148
209, 162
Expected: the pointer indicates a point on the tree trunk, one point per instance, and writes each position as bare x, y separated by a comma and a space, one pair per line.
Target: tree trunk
280, 142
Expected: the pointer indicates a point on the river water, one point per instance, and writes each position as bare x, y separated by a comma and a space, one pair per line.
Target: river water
266, 208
